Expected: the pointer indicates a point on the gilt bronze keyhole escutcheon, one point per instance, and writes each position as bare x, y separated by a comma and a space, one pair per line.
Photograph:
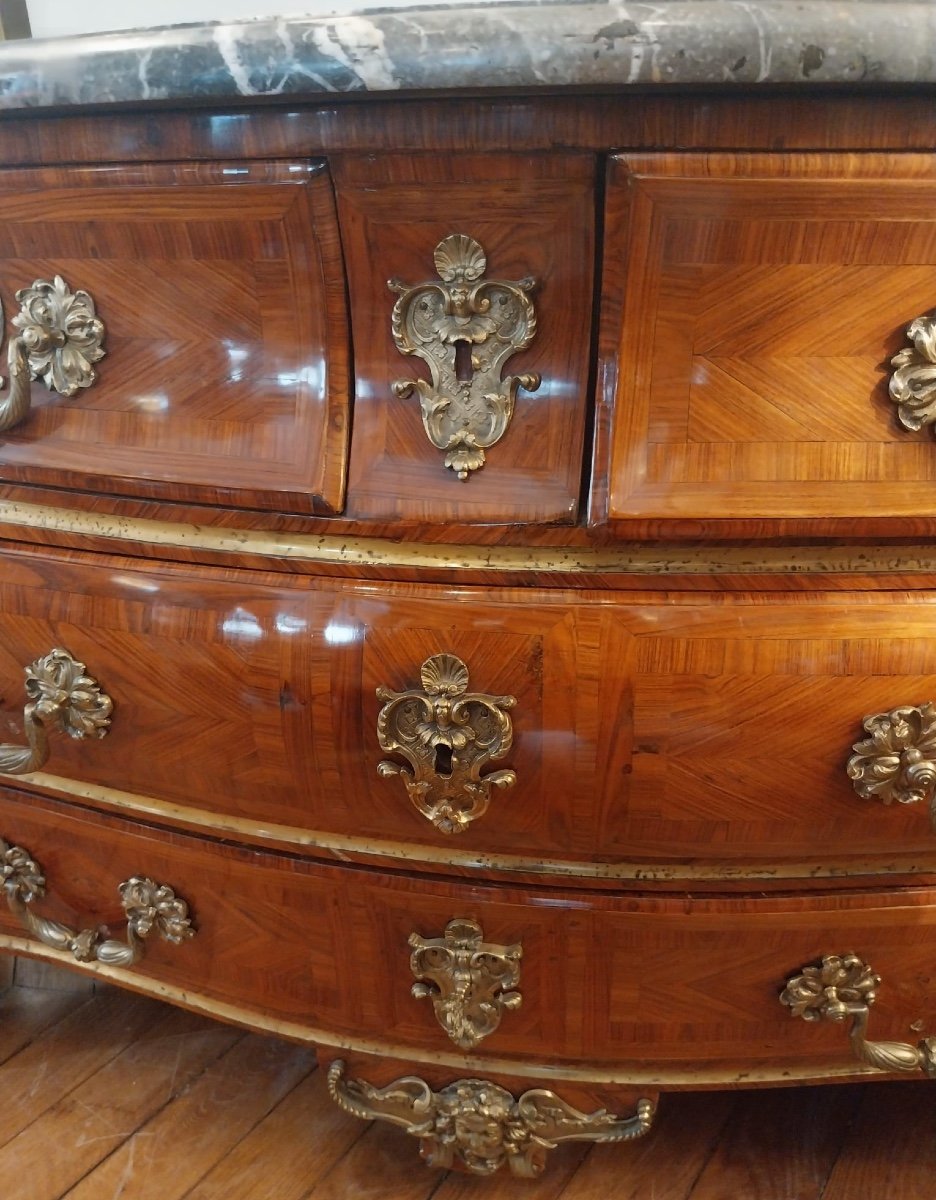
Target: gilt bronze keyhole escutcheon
464, 328
447, 735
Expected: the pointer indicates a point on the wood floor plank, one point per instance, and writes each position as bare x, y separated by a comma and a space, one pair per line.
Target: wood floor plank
782, 1146
176, 1147
82, 1128
300, 1141
667, 1162
96, 1030
381, 1164
26, 1015
890, 1150
6, 971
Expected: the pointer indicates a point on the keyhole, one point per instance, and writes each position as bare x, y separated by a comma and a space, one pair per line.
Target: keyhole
463, 367
443, 761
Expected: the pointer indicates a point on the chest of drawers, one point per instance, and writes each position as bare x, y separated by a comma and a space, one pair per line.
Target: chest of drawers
482, 551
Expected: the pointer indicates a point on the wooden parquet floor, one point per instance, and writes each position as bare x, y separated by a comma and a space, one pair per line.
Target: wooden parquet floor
110, 1096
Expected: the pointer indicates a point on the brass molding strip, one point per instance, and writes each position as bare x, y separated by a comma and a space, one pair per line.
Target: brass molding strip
678, 1077
219, 824
338, 550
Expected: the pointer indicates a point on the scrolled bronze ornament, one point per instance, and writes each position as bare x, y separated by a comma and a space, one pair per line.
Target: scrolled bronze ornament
479, 1125
148, 906
912, 386
841, 988
447, 734
468, 980
465, 329
60, 338
897, 763
59, 695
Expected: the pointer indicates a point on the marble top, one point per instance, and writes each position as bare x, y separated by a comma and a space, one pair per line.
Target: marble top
533, 45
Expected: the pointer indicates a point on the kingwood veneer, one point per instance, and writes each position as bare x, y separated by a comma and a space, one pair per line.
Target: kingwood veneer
272, 590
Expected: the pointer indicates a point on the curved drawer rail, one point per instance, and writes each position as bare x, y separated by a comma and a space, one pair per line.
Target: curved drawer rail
843, 987
60, 695
148, 905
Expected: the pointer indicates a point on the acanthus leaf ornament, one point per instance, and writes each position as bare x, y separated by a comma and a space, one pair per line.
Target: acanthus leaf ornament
60, 338
469, 981
447, 734
465, 329
60, 695
841, 988
897, 762
479, 1125
148, 906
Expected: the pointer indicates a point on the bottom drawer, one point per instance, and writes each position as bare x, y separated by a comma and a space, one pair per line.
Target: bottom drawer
666, 990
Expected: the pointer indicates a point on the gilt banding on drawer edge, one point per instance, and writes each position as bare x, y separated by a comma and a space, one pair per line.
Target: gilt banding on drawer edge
843, 987
465, 329
60, 338
148, 905
469, 980
60, 695
898, 761
479, 1125
447, 734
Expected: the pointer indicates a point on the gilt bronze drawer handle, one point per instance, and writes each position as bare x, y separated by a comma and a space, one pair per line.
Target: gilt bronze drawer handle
59, 696
913, 384
146, 904
465, 329
898, 761
447, 734
468, 979
60, 337
843, 987
479, 1125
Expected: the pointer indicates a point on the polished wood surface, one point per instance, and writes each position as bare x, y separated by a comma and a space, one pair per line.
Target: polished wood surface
661, 990
283, 1135
764, 298
658, 728
533, 216
221, 291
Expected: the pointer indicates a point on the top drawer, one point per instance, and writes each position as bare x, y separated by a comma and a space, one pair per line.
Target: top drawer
220, 288
764, 298
470, 277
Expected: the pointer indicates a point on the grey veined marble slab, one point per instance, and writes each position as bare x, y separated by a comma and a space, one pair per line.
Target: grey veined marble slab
671, 42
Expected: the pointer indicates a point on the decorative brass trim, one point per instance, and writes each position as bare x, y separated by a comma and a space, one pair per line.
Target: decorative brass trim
844, 987
368, 848
60, 338
336, 550
465, 329
147, 905
912, 386
898, 761
447, 734
467, 978
480, 1125
59, 696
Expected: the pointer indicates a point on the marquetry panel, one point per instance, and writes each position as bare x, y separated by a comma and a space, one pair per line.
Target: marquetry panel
659, 729
620, 982
221, 290
762, 299
533, 216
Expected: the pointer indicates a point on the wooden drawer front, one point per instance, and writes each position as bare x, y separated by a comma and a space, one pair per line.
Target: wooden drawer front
660, 731
220, 287
533, 217
626, 983
765, 296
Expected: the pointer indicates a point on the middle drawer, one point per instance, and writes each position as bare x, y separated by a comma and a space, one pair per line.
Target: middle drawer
637, 735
